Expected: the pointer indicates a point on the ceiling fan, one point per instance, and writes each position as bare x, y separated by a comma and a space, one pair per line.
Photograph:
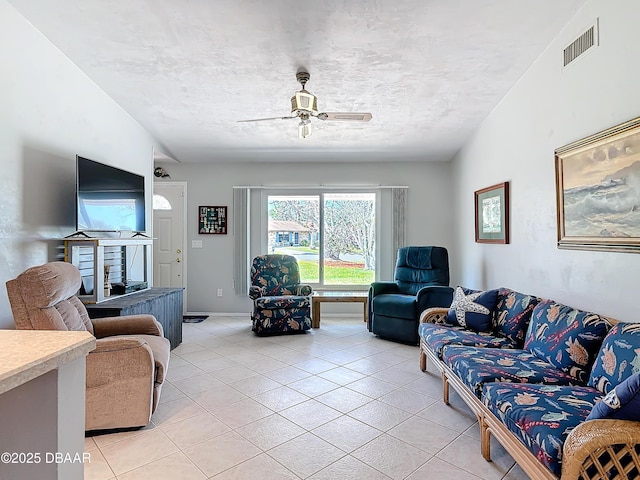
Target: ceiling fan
304, 106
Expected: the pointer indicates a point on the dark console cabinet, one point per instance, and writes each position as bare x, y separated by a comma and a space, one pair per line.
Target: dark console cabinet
163, 303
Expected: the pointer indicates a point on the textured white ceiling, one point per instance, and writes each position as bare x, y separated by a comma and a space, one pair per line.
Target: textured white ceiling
428, 70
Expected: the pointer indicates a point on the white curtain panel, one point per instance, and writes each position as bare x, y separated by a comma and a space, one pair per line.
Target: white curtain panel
241, 240
398, 207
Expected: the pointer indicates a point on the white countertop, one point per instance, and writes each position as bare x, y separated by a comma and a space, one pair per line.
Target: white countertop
27, 354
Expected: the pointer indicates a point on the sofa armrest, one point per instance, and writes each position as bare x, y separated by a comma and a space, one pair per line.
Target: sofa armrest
434, 315
126, 325
256, 292
114, 357
119, 383
379, 288
434, 296
591, 445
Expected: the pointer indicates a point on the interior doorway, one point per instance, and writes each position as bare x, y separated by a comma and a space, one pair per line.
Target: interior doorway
169, 230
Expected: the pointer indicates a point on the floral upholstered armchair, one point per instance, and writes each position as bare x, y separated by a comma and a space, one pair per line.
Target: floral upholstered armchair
281, 304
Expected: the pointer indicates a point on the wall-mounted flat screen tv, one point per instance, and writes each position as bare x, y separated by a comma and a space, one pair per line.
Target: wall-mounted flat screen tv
108, 199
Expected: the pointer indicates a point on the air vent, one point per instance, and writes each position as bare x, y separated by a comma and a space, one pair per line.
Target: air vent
584, 43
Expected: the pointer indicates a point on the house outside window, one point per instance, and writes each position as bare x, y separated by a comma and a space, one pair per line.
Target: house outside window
288, 233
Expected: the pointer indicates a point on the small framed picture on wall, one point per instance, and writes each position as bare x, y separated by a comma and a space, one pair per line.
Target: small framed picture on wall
212, 220
492, 214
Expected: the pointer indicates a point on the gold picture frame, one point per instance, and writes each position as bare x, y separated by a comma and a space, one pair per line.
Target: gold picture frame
492, 214
598, 190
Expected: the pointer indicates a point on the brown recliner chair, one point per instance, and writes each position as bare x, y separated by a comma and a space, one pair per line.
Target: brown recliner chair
126, 370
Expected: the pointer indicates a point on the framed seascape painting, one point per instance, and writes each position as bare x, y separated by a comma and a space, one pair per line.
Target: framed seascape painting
492, 214
598, 190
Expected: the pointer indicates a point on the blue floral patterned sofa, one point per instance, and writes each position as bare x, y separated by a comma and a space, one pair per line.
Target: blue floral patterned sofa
558, 387
281, 304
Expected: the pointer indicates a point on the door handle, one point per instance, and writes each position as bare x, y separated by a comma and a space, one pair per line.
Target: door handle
178, 260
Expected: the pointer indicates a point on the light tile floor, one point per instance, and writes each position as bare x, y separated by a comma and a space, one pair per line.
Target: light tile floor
335, 403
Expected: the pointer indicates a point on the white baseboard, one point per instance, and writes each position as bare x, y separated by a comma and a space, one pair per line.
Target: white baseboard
248, 314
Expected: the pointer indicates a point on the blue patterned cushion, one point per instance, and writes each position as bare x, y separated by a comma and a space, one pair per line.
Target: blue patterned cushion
284, 301
513, 313
479, 366
566, 337
283, 320
472, 309
541, 416
623, 402
276, 274
618, 358
436, 336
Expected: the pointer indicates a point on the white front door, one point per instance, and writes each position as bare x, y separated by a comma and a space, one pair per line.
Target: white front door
169, 231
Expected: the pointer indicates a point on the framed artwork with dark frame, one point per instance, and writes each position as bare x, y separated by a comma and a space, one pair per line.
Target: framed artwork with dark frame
598, 190
492, 214
212, 220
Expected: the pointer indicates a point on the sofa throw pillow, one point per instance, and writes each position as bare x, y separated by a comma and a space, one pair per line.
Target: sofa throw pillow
472, 309
512, 314
622, 402
618, 358
566, 337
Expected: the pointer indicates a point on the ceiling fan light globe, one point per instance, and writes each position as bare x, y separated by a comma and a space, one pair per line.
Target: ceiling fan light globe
304, 129
304, 101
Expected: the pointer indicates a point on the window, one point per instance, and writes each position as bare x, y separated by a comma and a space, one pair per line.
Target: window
331, 234
252, 236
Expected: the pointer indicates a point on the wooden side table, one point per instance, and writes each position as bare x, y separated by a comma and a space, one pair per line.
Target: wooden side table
319, 297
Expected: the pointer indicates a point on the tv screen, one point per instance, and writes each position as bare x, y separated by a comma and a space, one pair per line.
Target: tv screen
108, 199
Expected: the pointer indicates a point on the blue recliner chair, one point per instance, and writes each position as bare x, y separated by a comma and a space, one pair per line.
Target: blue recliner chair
281, 304
421, 282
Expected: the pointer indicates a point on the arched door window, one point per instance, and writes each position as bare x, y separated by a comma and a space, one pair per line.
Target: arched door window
161, 203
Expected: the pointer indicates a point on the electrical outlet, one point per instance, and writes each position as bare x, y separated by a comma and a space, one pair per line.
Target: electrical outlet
219, 292
196, 243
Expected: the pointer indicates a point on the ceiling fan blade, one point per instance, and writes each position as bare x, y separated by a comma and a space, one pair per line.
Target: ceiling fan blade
345, 116
266, 119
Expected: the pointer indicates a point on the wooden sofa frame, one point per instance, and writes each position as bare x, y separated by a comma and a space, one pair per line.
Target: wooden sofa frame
590, 451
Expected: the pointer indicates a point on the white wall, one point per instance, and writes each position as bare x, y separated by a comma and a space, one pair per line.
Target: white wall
50, 111
547, 109
210, 268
